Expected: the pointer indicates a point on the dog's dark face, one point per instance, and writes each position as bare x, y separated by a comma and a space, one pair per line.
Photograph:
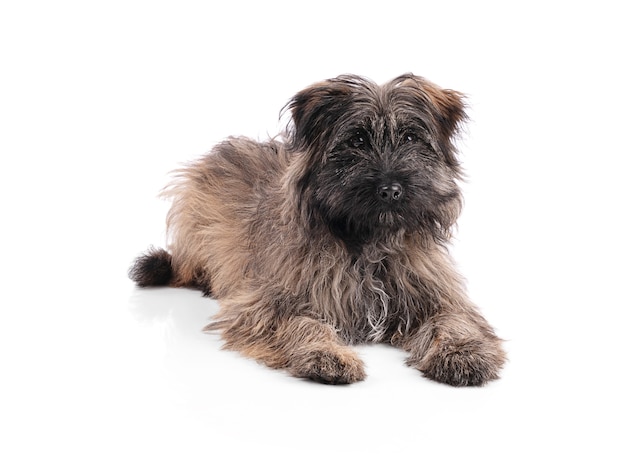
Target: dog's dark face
379, 159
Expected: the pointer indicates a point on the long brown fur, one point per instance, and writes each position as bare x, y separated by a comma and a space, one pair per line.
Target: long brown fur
306, 250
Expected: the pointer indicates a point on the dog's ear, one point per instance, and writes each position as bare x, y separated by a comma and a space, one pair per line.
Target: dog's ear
316, 109
450, 109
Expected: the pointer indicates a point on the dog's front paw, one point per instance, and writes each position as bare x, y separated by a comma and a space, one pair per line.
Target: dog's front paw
461, 363
333, 367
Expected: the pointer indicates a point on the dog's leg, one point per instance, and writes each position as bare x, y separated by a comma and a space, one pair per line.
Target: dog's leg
459, 349
303, 346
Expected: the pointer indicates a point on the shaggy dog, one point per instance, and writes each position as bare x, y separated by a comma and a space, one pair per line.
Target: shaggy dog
334, 235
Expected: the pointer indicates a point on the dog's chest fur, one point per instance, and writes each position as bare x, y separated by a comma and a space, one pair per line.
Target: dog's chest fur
374, 306
370, 296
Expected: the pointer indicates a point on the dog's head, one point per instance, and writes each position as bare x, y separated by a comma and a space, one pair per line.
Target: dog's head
377, 159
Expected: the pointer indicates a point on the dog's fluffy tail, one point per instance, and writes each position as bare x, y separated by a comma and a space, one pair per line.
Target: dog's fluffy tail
153, 268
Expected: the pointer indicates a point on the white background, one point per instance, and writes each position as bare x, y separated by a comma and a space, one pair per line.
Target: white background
100, 100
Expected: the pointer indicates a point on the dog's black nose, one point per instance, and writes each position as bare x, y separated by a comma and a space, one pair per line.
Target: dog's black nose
390, 192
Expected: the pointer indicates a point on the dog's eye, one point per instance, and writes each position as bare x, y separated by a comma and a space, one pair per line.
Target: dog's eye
358, 140
409, 137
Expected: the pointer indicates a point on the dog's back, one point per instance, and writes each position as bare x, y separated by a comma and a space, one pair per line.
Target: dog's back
214, 202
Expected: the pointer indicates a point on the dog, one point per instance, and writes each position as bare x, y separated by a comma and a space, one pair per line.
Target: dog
334, 234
